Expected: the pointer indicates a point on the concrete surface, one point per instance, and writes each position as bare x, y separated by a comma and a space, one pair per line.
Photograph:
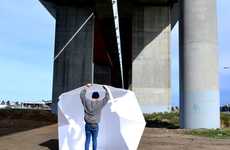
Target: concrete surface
199, 73
45, 138
149, 72
151, 57
73, 68
147, 43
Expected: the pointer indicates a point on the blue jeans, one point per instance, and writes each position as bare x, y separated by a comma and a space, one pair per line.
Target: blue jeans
91, 130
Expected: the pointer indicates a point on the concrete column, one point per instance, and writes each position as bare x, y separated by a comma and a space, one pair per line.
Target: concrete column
150, 57
73, 68
199, 101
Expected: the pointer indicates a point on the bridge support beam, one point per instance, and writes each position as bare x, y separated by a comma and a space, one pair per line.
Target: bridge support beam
150, 57
199, 101
73, 68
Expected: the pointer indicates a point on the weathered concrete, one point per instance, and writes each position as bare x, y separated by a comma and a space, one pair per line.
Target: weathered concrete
73, 68
151, 59
149, 74
199, 65
147, 42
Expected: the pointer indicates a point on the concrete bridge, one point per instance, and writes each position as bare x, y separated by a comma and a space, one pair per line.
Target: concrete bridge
145, 27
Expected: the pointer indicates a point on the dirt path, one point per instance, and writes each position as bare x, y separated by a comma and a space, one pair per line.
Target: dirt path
164, 139
45, 138
36, 139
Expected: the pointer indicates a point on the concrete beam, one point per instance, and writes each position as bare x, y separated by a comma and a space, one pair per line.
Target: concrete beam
51, 7
51, 4
199, 87
73, 68
174, 13
150, 56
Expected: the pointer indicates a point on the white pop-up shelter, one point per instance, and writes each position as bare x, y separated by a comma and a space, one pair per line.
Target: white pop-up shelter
122, 122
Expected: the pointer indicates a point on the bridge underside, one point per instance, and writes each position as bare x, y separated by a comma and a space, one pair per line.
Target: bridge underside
91, 2
145, 27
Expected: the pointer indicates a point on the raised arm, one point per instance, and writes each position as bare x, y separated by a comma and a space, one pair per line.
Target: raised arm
82, 96
107, 97
83, 93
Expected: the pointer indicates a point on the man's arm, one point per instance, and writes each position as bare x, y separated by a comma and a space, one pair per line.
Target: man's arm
107, 97
82, 96
83, 93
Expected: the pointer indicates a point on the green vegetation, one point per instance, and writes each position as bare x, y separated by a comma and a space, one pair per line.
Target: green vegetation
225, 120
171, 120
168, 120
211, 133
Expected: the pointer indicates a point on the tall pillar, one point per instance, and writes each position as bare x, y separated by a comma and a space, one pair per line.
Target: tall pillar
73, 68
199, 101
150, 57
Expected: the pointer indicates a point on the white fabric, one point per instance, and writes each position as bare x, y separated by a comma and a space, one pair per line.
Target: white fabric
121, 127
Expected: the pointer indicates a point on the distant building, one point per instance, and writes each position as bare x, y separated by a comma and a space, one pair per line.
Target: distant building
3, 106
48, 102
35, 105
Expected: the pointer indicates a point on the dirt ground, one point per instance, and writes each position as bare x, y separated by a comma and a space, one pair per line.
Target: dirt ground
45, 138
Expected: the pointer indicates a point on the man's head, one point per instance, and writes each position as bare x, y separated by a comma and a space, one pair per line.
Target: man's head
95, 95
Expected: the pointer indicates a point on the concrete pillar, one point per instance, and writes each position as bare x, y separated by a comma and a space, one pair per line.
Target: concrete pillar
73, 68
150, 57
199, 101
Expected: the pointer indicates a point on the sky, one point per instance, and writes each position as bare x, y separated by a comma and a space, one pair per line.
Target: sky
26, 50
27, 34
223, 14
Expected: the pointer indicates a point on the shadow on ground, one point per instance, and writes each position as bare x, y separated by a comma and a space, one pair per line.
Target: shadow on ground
17, 120
50, 144
160, 124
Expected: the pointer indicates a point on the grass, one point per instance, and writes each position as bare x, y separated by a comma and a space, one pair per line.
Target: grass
223, 133
170, 120
211, 133
225, 120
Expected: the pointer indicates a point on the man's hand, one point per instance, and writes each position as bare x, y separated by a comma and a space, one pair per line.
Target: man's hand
88, 85
105, 88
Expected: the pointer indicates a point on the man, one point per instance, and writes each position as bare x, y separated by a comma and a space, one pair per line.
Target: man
92, 108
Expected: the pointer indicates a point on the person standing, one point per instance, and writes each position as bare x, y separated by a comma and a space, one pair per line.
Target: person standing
92, 108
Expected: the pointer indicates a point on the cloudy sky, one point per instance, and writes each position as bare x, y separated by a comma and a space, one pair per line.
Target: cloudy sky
27, 43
